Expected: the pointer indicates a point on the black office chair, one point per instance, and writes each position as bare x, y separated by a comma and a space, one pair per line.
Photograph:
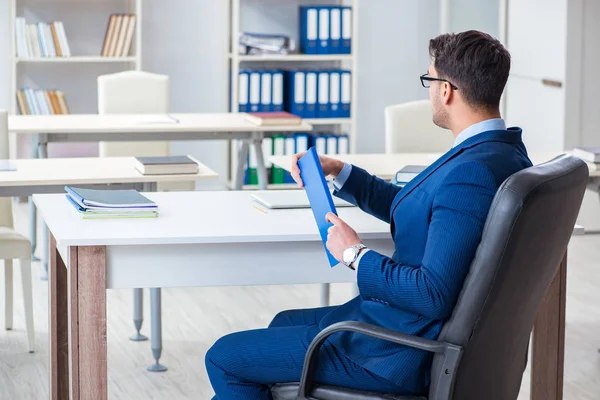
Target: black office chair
481, 352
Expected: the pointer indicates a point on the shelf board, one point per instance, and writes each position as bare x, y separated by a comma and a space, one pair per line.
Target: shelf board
75, 59
327, 121
293, 57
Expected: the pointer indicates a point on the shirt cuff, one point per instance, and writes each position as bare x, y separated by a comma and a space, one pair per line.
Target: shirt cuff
342, 177
362, 253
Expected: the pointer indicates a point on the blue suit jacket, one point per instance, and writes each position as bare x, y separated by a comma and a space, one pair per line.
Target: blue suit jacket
436, 223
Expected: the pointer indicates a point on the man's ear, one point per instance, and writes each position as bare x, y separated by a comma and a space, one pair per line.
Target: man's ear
447, 93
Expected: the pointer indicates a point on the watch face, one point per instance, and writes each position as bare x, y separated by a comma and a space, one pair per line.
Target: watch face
349, 255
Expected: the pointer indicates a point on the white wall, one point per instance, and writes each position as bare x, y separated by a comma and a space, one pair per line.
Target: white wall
187, 39
475, 14
393, 53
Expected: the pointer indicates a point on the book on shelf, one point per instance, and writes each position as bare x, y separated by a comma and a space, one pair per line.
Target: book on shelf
260, 43
168, 165
96, 204
119, 35
323, 94
325, 29
41, 102
326, 143
273, 118
41, 39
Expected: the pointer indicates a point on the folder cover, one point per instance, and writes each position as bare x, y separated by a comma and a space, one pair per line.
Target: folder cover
318, 194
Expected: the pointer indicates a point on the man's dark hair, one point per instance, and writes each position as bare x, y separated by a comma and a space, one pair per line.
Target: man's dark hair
475, 62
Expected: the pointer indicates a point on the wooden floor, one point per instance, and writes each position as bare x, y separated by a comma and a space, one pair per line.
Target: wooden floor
193, 318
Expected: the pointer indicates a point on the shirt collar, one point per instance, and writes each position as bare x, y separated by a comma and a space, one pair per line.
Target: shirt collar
494, 124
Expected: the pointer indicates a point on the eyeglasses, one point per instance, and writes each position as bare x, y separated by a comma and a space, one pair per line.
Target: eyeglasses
425, 79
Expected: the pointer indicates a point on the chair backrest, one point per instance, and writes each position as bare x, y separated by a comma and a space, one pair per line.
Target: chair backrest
409, 128
6, 216
133, 92
524, 240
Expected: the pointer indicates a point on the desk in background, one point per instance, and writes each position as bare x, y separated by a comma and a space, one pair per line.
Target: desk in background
385, 166
147, 127
52, 175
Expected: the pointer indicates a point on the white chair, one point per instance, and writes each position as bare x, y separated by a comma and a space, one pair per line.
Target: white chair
133, 92
137, 92
14, 246
409, 128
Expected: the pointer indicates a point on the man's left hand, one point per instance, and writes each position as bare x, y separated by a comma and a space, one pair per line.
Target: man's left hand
340, 236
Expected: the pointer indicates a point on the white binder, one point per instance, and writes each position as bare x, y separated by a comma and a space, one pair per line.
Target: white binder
265, 89
254, 91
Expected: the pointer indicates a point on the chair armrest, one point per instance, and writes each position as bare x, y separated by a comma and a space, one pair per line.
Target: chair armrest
452, 353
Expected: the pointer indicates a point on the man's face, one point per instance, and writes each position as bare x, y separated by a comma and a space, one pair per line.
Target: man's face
440, 114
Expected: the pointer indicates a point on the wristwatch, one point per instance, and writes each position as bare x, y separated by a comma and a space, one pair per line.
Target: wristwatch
351, 254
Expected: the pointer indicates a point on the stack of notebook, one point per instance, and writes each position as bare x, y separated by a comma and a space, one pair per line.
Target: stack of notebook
167, 165
99, 204
407, 173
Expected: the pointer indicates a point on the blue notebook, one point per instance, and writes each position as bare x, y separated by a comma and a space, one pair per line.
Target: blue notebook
318, 194
109, 198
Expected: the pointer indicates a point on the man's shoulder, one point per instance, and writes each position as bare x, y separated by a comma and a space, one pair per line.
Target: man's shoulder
500, 159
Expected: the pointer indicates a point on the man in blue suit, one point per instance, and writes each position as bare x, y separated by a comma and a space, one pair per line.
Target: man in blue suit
436, 223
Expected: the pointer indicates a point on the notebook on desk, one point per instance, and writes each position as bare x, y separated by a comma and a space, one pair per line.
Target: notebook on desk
100, 204
166, 165
286, 199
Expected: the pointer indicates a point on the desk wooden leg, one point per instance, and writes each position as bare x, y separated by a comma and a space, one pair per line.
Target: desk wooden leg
548, 351
91, 279
59, 341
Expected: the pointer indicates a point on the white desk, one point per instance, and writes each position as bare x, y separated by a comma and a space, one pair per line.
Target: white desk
220, 240
386, 165
199, 239
148, 127
52, 175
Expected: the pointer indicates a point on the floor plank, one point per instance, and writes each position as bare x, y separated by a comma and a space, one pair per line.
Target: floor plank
193, 318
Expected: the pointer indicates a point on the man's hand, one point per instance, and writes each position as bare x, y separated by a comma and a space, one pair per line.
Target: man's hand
329, 165
340, 236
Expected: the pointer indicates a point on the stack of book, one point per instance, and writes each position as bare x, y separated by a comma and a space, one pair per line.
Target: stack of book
273, 118
406, 174
41, 102
101, 204
259, 43
589, 154
41, 39
119, 35
168, 165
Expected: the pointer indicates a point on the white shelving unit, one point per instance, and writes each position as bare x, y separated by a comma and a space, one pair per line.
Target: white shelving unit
134, 62
342, 61
76, 59
292, 57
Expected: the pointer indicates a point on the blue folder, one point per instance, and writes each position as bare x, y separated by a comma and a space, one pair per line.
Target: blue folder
318, 195
309, 29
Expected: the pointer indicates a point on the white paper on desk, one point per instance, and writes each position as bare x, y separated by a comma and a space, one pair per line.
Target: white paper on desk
155, 119
6, 165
